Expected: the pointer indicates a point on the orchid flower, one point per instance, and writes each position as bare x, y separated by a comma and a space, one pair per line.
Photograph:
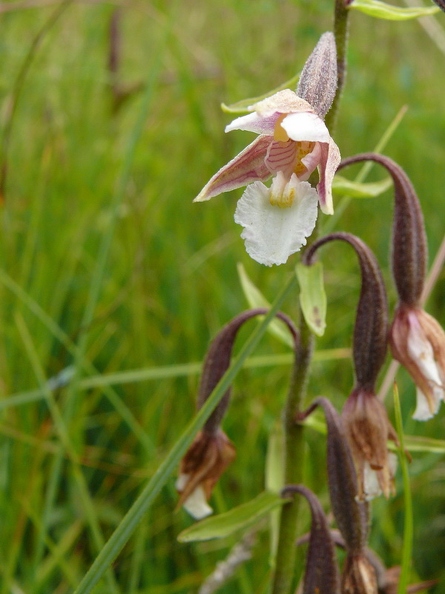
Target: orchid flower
293, 141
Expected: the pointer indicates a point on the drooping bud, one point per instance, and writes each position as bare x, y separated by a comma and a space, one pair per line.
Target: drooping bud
409, 248
349, 513
212, 452
318, 80
368, 429
321, 574
417, 341
371, 325
365, 419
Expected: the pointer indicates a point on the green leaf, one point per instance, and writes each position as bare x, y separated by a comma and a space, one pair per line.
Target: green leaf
256, 299
381, 10
345, 187
243, 516
243, 105
312, 296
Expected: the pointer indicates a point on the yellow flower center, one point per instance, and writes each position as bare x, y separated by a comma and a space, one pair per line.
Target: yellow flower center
284, 199
303, 148
279, 133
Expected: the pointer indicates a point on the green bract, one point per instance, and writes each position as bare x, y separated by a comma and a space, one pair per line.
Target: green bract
381, 10
237, 518
312, 296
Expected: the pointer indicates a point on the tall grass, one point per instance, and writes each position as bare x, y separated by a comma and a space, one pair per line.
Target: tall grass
108, 267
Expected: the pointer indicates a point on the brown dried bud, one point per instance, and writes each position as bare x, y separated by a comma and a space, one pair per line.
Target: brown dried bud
321, 573
417, 341
318, 80
409, 249
358, 576
368, 429
205, 461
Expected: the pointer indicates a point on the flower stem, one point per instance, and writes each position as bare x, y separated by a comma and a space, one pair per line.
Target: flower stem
294, 447
341, 22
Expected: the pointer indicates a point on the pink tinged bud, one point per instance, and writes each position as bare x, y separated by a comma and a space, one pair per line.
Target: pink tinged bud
318, 80
368, 430
417, 341
321, 573
409, 248
358, 576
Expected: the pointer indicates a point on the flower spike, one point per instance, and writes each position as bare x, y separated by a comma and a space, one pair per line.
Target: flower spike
211, 452
416, 339
293, 142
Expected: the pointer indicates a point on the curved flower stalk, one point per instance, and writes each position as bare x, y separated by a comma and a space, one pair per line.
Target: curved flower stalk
351, 514
293, 141
366, 421
321, 573
416, 339
212, 452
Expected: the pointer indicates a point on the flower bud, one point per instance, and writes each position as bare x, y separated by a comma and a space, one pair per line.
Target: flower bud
318, 79
358, 576
321, 573
205, 461
212, 452
417, 341
368, 429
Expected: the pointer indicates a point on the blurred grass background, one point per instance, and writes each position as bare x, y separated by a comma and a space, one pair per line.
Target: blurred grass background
170, 280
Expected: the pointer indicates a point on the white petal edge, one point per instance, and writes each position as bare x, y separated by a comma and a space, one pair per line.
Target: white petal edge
371, 484
271, 234
254, 123
306, 126
423, 411
196, 504
421, 352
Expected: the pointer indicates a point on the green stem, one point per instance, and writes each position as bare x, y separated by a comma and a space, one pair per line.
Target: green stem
341, 22
293, 463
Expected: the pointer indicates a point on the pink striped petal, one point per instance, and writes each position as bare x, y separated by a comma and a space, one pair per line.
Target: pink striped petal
281, 157
329, 161
246, 167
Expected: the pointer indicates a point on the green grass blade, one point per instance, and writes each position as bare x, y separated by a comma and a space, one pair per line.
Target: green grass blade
407, 549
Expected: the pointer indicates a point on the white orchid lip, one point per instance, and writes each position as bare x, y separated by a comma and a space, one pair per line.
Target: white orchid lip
273, 232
